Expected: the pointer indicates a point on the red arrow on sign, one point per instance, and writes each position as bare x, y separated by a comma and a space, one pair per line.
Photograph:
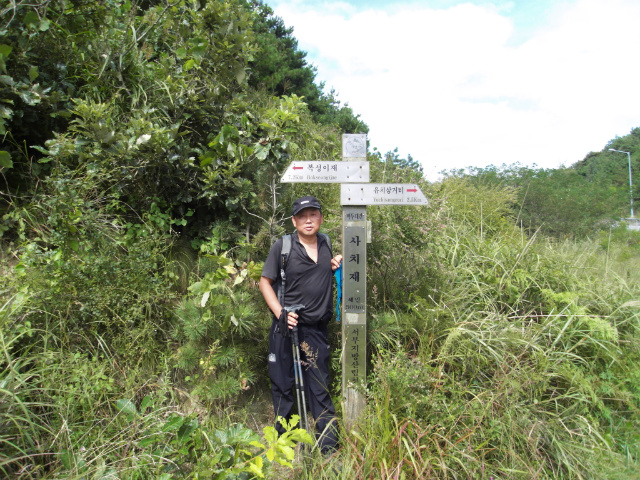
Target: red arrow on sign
412, 189
298, 168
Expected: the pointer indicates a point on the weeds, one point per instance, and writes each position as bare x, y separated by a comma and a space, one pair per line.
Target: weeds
523, 366
516, 359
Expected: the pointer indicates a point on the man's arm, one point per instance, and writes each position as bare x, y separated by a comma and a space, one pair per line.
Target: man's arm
335, 262
271, 299
269, 295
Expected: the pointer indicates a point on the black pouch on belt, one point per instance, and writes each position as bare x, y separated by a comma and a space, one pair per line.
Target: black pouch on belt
283, 327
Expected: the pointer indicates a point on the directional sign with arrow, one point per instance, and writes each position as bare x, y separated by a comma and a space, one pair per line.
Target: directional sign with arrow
382, 194
326, 172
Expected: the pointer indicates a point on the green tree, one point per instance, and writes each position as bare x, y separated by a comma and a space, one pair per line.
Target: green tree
280, 68
561, 202
612, 168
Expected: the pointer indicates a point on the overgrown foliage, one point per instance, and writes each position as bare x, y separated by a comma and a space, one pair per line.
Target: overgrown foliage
155, 100
142, 146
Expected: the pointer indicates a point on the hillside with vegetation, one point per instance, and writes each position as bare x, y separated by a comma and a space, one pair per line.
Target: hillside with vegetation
580, 200
141, 150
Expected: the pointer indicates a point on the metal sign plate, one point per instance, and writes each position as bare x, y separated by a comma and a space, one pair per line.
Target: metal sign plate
382, 194
354, 298
326, 172
355, 269
354, 145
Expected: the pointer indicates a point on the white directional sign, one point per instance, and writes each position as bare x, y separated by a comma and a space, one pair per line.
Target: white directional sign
326, 172
381, 194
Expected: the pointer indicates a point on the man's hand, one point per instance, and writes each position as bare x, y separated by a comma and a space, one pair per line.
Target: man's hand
335, 262
292, 320
286, 322
288, 318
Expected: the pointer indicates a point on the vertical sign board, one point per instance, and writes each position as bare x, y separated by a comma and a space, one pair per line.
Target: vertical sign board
354, 260
354, 291
354, 296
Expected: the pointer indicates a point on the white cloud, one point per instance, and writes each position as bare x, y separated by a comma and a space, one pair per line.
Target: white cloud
451, 88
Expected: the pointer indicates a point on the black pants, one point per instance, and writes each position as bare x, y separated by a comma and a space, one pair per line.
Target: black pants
315, 372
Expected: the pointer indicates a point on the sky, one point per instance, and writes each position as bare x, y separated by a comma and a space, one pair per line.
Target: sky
477, 83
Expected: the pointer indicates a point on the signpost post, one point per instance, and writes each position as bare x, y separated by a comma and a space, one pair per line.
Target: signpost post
354, 291
355, 194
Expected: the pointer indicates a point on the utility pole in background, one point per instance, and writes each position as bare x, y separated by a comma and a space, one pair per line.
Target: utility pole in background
630, 181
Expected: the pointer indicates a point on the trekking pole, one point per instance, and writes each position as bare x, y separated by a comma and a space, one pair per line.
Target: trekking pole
297, 370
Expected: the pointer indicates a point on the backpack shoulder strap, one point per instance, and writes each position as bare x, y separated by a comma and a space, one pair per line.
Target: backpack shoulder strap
286, 244
286, 250
328, 240
284, 258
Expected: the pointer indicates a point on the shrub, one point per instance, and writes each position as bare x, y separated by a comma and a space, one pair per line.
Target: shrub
217, 328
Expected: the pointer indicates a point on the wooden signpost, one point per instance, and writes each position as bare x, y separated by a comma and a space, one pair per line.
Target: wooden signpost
355, 194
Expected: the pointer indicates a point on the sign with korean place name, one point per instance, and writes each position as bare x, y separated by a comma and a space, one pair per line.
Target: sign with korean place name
355, 354
354, 234
381, 194
326, 172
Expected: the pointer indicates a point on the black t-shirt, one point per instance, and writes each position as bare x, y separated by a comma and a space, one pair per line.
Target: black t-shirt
308, 282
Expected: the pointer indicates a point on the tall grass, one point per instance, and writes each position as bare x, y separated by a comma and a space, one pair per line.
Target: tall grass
523, 365
515, 358
20, 428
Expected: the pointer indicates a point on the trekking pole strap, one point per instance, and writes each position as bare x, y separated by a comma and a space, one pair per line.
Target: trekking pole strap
338, 275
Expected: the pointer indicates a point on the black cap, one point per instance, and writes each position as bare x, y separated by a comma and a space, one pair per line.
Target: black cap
305, 202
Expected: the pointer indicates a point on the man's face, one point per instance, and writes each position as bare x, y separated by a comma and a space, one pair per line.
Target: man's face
307, 222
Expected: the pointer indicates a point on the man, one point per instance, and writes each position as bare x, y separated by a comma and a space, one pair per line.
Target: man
309, 273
